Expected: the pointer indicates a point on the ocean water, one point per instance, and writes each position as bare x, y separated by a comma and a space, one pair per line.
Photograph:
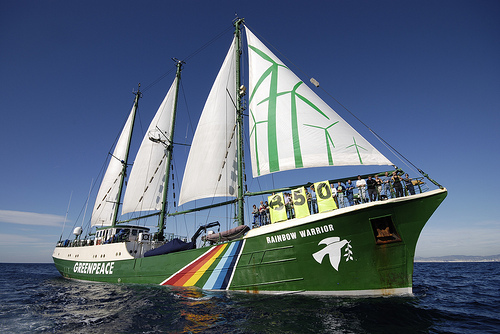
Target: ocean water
448, 298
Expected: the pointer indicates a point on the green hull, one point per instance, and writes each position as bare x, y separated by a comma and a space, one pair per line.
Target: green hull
361, 250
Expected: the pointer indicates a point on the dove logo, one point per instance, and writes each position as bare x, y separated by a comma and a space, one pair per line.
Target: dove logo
333, 249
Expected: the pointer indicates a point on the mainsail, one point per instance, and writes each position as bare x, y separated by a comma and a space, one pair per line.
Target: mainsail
145, 185
107, 197
211, 166
291, 127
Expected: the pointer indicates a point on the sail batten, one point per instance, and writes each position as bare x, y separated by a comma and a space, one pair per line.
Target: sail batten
291, 127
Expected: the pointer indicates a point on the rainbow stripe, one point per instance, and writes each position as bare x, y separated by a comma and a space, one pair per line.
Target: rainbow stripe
220, 276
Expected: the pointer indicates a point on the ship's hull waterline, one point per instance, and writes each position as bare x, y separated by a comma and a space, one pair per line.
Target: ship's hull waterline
364, 249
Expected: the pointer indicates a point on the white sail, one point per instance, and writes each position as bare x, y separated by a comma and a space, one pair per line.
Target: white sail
291, 127
107, 197
146, 181
211, 166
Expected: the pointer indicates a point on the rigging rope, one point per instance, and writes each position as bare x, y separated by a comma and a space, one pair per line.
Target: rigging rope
204, 46
396, 152
87, 225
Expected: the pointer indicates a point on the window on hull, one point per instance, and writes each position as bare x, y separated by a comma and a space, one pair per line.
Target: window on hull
384, 230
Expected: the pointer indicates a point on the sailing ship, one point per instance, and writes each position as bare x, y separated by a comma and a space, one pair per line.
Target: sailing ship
347, 250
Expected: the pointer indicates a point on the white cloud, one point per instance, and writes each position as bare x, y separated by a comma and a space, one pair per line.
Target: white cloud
30, 218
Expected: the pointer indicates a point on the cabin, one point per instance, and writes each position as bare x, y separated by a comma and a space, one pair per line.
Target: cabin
108, 235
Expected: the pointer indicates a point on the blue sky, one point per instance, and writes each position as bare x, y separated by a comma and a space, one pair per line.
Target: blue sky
424, 75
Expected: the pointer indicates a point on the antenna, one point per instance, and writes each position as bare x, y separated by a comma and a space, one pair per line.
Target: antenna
65, 217
87, 202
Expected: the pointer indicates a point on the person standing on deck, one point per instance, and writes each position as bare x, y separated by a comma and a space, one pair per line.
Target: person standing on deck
256, 216
372, 190
309, 199
396, 182
340, 194
361, 185
268, 218
409, 185
314, 204
334, 194
262, 214
378, 183
349, 192
386, 186
289, 205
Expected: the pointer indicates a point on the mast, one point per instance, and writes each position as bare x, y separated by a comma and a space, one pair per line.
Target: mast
239, 122
161, 221
138, 95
